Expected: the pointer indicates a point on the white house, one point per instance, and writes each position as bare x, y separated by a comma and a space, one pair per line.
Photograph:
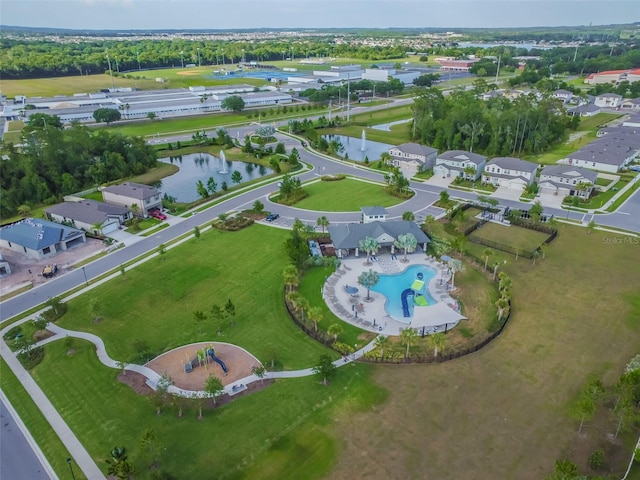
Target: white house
610, 152
564, 95
509, 171
587, 110
608, 100
374, 214
128, 194
89, 215
631, 104
37, 238
456, 162
413, 157
566, 180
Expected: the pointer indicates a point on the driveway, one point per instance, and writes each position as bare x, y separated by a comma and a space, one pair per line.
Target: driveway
439, 181
507, 193
550, 200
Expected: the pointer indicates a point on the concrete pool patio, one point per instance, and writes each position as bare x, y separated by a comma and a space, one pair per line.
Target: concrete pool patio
355, 310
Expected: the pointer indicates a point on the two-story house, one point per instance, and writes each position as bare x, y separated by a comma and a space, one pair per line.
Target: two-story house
509, 171
413, 157
564, 95
136, 196
608, 100
566, 180
459, 163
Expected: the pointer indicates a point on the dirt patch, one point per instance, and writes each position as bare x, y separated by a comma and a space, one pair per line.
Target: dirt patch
188, 73
136, 381
238, 361
25, 270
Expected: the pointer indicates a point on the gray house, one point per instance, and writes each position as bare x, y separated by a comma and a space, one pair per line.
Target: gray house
413, 157
612, 151
565, 180
374, 214
37, 238
455, 162
127, 194
89, 215
510, 171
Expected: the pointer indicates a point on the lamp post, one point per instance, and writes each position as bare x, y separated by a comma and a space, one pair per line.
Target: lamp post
85, 276
199, 62
223, 57
110, 72
71, 468
138, 58
182, 59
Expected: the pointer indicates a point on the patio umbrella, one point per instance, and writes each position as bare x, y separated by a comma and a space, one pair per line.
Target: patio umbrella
351, 290
445, 258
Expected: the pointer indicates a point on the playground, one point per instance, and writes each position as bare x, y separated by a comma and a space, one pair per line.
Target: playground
237, 361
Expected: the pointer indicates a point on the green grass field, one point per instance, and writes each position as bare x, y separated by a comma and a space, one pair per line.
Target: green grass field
504, 411
155, 302
346, 195
517, 237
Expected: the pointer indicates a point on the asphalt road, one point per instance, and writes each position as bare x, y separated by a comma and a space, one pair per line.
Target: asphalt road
17, 460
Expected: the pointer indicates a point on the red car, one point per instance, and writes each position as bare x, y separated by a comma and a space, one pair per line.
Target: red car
156, 213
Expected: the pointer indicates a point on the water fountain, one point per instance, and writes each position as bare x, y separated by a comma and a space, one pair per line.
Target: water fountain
224, 162
363, 144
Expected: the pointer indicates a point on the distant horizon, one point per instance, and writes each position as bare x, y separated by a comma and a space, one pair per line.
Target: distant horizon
181, 15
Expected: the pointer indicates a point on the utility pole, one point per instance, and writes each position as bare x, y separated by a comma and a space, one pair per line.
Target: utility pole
575, 54
348, 97
138, 57
182, 59
498, 70
199, 62
113, 87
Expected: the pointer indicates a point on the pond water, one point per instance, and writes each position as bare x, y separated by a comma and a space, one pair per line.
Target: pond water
201, 166
353, 146
386, 127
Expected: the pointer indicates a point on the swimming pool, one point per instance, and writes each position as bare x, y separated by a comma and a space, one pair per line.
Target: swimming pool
399, 285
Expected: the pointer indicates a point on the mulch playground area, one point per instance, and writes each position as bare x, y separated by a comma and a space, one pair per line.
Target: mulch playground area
238, 361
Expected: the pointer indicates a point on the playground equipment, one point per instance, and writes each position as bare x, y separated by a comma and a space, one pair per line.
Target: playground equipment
202, 359
413, 291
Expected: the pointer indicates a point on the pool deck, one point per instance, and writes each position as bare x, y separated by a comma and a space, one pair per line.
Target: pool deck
430, 319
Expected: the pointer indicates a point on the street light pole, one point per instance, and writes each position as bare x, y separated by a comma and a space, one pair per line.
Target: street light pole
199, 62
71, 468
348, 97
110, 72
182, 59
85, 276
138, 57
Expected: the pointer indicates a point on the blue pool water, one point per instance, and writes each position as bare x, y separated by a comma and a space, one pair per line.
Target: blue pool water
392, 286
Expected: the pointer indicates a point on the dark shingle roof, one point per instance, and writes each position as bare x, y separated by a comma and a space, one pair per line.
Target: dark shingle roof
374, 211
512, 163
461, 155
349, 236
569, 171
36, 234
87, 211
132, 190
416, 149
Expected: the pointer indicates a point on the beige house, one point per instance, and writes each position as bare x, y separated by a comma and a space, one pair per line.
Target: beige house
128, 194
511, 172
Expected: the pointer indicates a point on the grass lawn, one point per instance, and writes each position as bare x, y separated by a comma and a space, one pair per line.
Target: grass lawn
519, 238
155, 301
590, 123
504, 411
47, 439
346, 195
283, 431
600, 198
561, 151
603, 182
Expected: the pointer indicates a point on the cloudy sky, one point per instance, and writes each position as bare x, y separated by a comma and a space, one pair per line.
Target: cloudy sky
183, 14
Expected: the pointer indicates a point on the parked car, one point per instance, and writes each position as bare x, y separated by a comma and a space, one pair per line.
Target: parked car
271, 217
156, 213
49, 270
635, 168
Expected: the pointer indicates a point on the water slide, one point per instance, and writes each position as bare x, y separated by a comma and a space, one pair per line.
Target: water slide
405, 302
212, 354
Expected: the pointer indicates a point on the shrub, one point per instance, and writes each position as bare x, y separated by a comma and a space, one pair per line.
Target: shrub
13, 333
596, 459
31, 357
333, 178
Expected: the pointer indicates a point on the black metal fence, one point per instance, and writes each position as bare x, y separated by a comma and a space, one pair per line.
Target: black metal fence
308, 327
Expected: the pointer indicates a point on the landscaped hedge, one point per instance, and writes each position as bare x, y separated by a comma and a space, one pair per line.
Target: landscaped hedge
332, 178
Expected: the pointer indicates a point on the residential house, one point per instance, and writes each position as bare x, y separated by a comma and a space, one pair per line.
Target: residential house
37, 238
564, 95
128, 194
89, 215
632, 121
608, 100
459, 163
346, 238
413, 157
632, 104
614, 76
609, 153
374, 214
587, 110
566, 180
511, 172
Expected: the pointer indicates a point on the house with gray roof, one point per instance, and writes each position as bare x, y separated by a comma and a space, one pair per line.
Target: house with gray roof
632, 121
630, 104
38, 239
455, 162
374, 214
610, 152
564, 95
89, 215
128, 194
346, 238
509, 171
413, 157
566, 180
587, 110
608, 100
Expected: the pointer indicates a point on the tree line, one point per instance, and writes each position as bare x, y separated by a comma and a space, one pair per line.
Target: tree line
54, 162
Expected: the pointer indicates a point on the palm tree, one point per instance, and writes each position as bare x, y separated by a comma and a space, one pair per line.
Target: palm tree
503, 307
406, 242
534, 255
382, 342
408, 337
315, 315
335, 330
504, 284
429, 222
385, 157
370, 246
495, 270
455, 266
591, 226
408, 216
291, 276
119, 464
322, 222
486, 253
437, 341
303, 306
368, 279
